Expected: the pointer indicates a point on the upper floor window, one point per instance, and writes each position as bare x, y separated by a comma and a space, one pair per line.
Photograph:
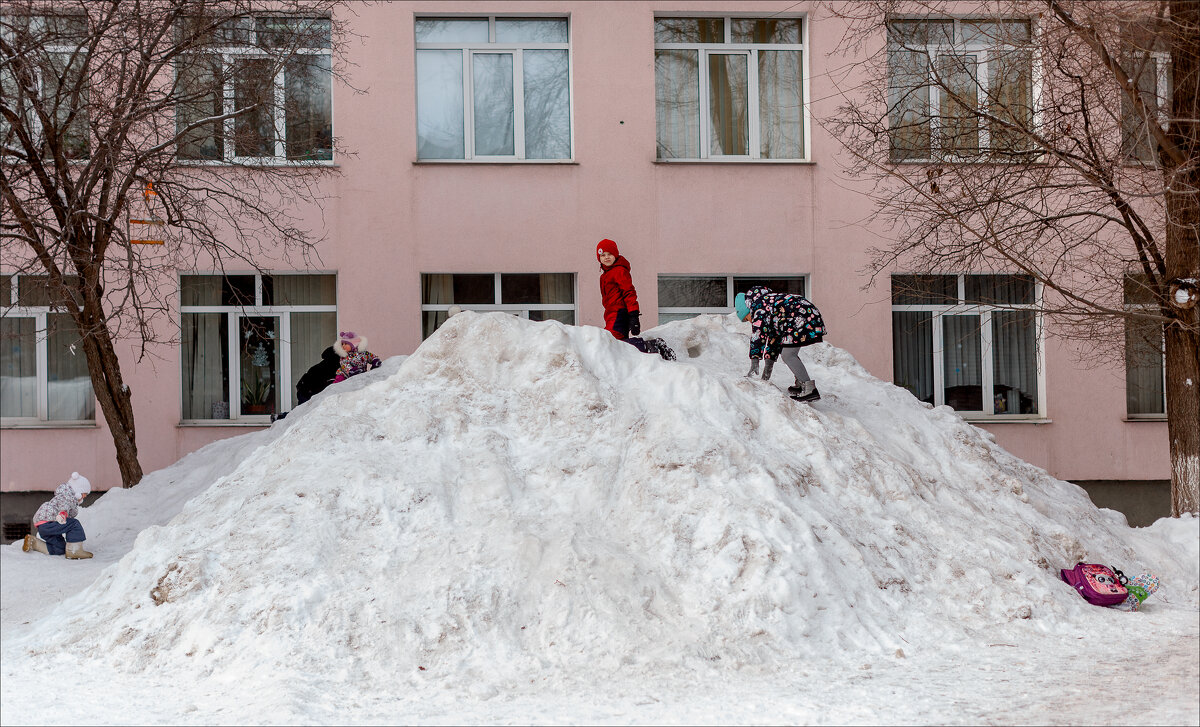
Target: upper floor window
43, 370
1147, 58
272, 76
729, 88
247, 339
536, 296
493, 88
54, 46
1145, 355
686, 296
970, 342
959, 88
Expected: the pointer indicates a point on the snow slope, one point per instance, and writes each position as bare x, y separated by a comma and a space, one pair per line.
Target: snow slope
517, 500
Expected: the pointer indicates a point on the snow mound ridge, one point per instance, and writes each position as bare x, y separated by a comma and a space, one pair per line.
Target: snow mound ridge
521, 496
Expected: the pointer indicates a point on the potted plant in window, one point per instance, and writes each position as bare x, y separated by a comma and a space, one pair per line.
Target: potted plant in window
256, 396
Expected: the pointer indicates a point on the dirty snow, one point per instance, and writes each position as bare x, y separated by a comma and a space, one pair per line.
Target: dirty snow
530, 522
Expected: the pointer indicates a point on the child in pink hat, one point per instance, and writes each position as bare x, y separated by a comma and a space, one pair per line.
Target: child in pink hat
356, 359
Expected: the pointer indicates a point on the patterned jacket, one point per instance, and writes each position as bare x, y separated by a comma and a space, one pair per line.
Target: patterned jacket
357, 362
64, 500
781, 319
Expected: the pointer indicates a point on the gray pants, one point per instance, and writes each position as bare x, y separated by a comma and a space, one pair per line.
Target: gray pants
791, 357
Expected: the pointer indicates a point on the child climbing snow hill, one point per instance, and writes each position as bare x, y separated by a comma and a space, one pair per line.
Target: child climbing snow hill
622, 317
54, 521
356, 359
780, 325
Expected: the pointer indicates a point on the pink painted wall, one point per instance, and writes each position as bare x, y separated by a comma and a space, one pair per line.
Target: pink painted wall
393, 219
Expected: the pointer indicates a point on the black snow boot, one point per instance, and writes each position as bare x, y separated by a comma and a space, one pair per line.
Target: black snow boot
804, 391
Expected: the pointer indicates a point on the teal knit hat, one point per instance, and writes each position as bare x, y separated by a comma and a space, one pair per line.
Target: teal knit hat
739, 305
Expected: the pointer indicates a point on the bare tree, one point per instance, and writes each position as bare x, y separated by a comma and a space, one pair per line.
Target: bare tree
1056, 139
201, 124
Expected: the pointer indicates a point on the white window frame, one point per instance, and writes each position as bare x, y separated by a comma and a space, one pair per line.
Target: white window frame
34, 122
287, 400
41, 333
987, 373
516, 50
753, 110
981, 51
729, 290
229, 55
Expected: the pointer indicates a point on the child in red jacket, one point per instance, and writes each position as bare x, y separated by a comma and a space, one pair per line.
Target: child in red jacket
622, 318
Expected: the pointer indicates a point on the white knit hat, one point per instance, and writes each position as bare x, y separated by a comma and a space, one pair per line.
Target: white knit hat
79, 483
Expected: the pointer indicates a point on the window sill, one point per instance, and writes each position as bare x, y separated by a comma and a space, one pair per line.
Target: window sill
1161, 419
494, 162
282, 164
49, 425
791, 162
222, 423
1008, 420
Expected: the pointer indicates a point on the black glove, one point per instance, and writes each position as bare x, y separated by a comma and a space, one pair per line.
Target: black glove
753, 368
635, 323
767, 367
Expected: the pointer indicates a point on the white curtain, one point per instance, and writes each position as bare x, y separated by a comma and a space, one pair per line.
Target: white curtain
677, 103
962, 362
1144, 392
1014, 362
436, 289
781, 104
68, 385
312, 333
205, 363
18, 367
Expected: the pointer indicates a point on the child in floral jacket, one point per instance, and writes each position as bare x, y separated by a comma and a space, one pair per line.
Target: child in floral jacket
61, 533
356, 359
781, 324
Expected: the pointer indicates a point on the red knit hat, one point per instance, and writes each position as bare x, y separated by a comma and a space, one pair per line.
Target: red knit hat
607, 245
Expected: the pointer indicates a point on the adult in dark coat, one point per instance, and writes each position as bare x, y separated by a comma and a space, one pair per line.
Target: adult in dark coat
321, 374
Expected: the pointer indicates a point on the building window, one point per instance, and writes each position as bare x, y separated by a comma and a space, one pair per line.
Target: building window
1145, 355
729, 88
277, 70
43, 370
493, 88
244, 335
53, 46
536, 296
945, 75
687, 296
971, 342
1146, 56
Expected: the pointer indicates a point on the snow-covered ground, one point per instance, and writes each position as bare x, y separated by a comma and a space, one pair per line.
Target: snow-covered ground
534, 523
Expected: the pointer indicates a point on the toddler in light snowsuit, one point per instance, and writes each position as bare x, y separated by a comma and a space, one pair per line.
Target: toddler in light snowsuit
622, 317
781, 324
356, 359
55, 521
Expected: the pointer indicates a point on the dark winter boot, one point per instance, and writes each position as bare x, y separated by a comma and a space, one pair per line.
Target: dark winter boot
33, 542
659, 346
75, 551
768, 366
805, 391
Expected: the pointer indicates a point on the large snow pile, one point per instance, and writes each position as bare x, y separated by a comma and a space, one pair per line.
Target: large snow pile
520, 496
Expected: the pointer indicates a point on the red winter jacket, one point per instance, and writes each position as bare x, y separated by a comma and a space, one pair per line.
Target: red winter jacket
616, 290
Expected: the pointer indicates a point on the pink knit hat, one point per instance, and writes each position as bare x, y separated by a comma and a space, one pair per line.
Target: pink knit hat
356, 342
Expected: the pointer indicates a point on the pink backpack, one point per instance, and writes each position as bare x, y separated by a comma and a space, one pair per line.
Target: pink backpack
1098, 584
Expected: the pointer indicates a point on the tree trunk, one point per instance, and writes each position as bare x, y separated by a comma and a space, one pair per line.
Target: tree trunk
114, 397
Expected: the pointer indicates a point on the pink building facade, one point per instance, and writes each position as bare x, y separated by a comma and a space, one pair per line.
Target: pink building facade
495, 144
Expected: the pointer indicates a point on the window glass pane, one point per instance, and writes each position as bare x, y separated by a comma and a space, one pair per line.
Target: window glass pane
440, 104
780, 101
70, 115
727, 89
1010, 99
537, 288
531, 30
36, 291
492, 74
463, 289
308, 108
1014, 362
205, 365
1137, 289
68, 386
6, 290
1144, 393
1135, 126
566, 317
756, 30
668, 317
999, 289
692, 292
908, 104
689, 30
253, 95
547, 105
260, 365
452, 30
299, 290
958, 78
199, 98
293, 32
912, 352
992, 33
777, 285
677, 103
431, 320
312, 333
200, 289
924, 289
18, 367
962, 362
